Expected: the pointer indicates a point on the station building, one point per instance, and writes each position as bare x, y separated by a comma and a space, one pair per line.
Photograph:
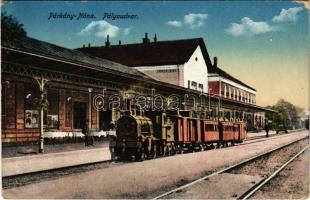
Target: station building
185, 63
81, 84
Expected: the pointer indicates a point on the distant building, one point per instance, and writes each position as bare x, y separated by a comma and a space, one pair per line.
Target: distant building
227, 86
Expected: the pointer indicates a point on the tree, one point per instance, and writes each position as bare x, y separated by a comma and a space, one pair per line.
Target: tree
12, 32
287, 115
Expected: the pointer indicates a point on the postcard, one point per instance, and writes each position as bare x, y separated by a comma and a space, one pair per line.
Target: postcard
155, 99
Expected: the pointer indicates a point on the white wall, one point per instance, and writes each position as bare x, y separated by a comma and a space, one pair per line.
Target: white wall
172, 74
196, 70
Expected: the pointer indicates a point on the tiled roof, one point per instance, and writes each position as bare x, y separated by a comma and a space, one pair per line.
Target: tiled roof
150, 54
157, 53
51, 50
224, 74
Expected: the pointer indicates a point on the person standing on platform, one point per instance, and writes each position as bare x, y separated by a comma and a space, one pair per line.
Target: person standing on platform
85, 131
267, 129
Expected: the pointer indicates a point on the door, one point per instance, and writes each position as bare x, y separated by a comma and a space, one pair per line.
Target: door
105, 118
79, 114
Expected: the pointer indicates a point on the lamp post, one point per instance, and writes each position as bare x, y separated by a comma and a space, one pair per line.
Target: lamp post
41, 81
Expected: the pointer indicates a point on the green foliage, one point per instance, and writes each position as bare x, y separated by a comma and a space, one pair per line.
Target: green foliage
286, 116
12, 31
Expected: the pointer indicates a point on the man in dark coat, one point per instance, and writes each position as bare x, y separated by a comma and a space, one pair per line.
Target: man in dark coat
267, 129
85, 131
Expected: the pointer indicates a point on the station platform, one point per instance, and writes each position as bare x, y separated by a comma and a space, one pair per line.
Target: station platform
147, 179
25, 159
21, 160
260, 134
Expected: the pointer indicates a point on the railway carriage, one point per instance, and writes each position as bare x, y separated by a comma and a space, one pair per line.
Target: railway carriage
210, 132
226, 131
242, 131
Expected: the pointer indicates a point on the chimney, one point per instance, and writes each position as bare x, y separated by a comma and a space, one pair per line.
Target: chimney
215, 62
146, 39
119, 43
83, 46
155, 38
107, 43
88, 44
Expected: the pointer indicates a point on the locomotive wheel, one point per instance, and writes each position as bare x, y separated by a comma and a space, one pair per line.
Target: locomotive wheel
179, 149
163, 148
153, 153
140, 155
166, 151
174, 150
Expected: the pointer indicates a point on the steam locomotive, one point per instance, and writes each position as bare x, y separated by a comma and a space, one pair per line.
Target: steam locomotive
153, 133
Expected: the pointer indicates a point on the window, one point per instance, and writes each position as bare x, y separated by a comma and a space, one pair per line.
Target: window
210, 127
51, 116
228, 128
194, 85
222, 89
200, 86
166, 70
189, 84
32, 95
145, 128
79, 114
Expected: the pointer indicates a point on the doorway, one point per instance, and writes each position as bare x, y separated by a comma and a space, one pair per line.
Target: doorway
79, 114
105, 117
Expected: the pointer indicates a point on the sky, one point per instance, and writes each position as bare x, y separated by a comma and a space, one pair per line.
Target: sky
265, 44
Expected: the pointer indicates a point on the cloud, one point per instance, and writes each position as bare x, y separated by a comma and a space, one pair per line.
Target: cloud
103, 28
174, 23
249, 27
126, 31
287, 15
195, 20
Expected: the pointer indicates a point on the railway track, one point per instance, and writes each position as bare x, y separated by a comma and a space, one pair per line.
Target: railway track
234, 167
258, 186
25, 179
33, 177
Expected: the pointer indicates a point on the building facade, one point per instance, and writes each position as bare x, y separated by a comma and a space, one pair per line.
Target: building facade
81, 87
179, 62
